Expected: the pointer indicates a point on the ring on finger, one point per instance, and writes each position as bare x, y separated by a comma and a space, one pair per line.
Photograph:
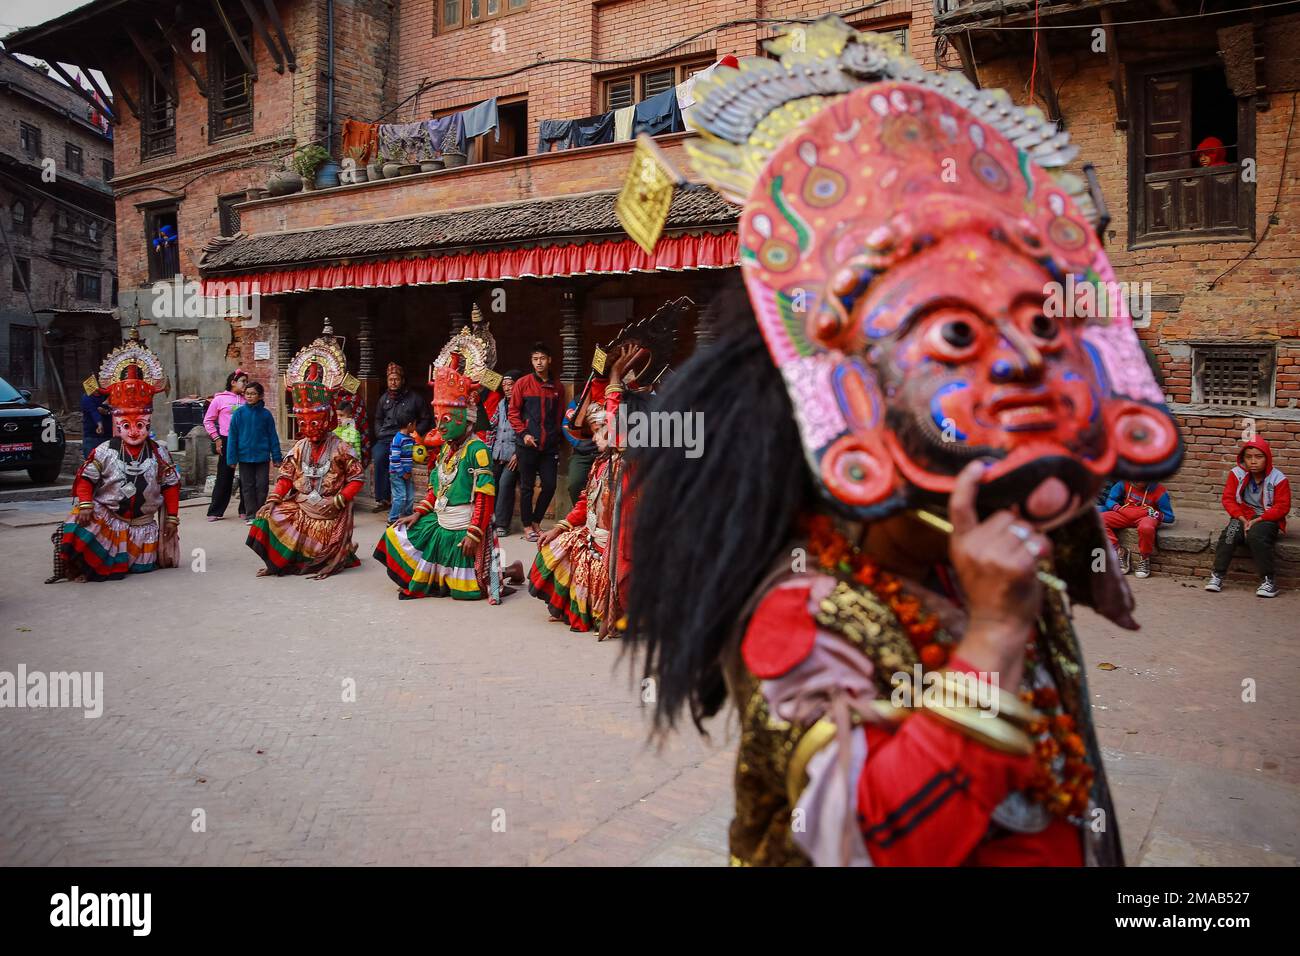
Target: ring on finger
1027, 539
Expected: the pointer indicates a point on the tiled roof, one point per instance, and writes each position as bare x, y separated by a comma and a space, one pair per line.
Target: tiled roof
694, 206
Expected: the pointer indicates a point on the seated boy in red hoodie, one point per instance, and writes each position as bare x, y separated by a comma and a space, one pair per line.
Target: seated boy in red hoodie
1257, 497
1136, 504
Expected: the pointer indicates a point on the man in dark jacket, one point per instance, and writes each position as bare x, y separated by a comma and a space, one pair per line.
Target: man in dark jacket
397, 405
536, 415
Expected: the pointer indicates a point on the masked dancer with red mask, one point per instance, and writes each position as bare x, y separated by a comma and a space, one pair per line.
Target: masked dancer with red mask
912, 439
129, 485
447, 546
305, 527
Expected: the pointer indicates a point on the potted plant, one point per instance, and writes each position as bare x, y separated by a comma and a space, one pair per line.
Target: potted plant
282, 182
355, 171
306, 160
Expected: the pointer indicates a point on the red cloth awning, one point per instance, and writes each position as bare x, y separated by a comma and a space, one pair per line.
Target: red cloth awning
672, 254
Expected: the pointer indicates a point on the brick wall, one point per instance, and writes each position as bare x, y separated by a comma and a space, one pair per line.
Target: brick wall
595, 30
1256, 302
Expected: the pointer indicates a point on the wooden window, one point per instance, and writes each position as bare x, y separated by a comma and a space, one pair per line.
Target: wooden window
1190, 143
454, 14
22, 274
74, 159
157, 113
21, 217
29, 139
89, 286
1234, 375
629, 89
164, 254
230, 101
107, 166
22, 356
227, 214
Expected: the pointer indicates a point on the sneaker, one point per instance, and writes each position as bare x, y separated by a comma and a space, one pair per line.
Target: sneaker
1124, 561
1141, 566
1215, 583
1266, 588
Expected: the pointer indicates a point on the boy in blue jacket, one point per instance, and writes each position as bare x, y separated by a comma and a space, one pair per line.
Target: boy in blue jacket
1141, 505
251, 445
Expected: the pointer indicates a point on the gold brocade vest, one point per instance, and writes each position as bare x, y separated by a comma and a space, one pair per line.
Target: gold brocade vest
769, 754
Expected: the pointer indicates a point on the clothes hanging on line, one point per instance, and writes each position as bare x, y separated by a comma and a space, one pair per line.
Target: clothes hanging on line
552, 133
592, 130
623, 123
481, 119
360, 138
659, 114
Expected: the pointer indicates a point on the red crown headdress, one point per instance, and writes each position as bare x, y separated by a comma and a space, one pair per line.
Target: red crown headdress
318, 373
464, 364
132, 375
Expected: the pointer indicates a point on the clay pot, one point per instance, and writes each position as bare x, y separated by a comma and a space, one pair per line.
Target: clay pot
390, 170
283, 182
375, 171
452, 160
361, 174
431, 165
406, 169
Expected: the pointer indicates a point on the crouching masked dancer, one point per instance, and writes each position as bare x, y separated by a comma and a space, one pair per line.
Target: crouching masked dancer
447, 545
910, 445
306, 525
129, 485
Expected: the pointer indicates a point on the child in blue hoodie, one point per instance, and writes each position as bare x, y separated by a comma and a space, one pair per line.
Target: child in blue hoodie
251, 445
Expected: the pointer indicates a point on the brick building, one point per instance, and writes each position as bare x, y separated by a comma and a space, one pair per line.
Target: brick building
396, 264
1217, 242
56, 209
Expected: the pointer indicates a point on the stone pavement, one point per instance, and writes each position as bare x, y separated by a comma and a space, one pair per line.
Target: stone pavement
465, 716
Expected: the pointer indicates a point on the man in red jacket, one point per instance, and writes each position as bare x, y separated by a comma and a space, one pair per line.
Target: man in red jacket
537, 415
1257, 497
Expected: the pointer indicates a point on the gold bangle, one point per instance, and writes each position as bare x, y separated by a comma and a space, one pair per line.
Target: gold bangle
993, 732
339, 502
796, 775
1008, 705
474, 533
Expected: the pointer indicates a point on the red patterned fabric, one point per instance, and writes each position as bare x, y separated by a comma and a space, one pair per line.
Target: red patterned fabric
673, 254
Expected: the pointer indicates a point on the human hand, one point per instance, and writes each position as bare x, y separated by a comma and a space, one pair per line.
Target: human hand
513, 463
996, 561
469, 546
530, 441
84, 515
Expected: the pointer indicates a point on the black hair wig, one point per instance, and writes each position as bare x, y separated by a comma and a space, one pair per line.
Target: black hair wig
706, 531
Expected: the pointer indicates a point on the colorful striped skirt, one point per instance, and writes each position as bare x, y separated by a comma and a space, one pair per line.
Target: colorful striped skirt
425, 560
111, 547
292, 541
570, 574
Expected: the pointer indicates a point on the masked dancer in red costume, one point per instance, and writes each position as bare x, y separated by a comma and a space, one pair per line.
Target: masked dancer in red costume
128, 486
305, 527
902, 448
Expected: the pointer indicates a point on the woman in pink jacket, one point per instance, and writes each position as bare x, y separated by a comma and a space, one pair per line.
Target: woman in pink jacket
217, 423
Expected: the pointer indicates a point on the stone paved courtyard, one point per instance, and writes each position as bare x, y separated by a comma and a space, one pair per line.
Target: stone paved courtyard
232, 702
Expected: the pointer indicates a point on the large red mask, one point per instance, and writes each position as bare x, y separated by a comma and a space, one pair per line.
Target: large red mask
909, 267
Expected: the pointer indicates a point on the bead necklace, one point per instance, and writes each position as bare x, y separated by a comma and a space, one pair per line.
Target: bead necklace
1062, 778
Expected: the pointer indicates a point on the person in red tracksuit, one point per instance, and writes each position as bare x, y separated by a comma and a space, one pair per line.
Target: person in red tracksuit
1256, 497
537, 416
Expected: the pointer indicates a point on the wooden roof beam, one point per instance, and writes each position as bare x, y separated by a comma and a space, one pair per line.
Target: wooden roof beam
118, 90
273, 15
77, 88
1116, 71
168, 83
244, 54
181, 55
260, 27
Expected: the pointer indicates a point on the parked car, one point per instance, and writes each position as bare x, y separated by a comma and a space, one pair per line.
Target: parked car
31, 437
